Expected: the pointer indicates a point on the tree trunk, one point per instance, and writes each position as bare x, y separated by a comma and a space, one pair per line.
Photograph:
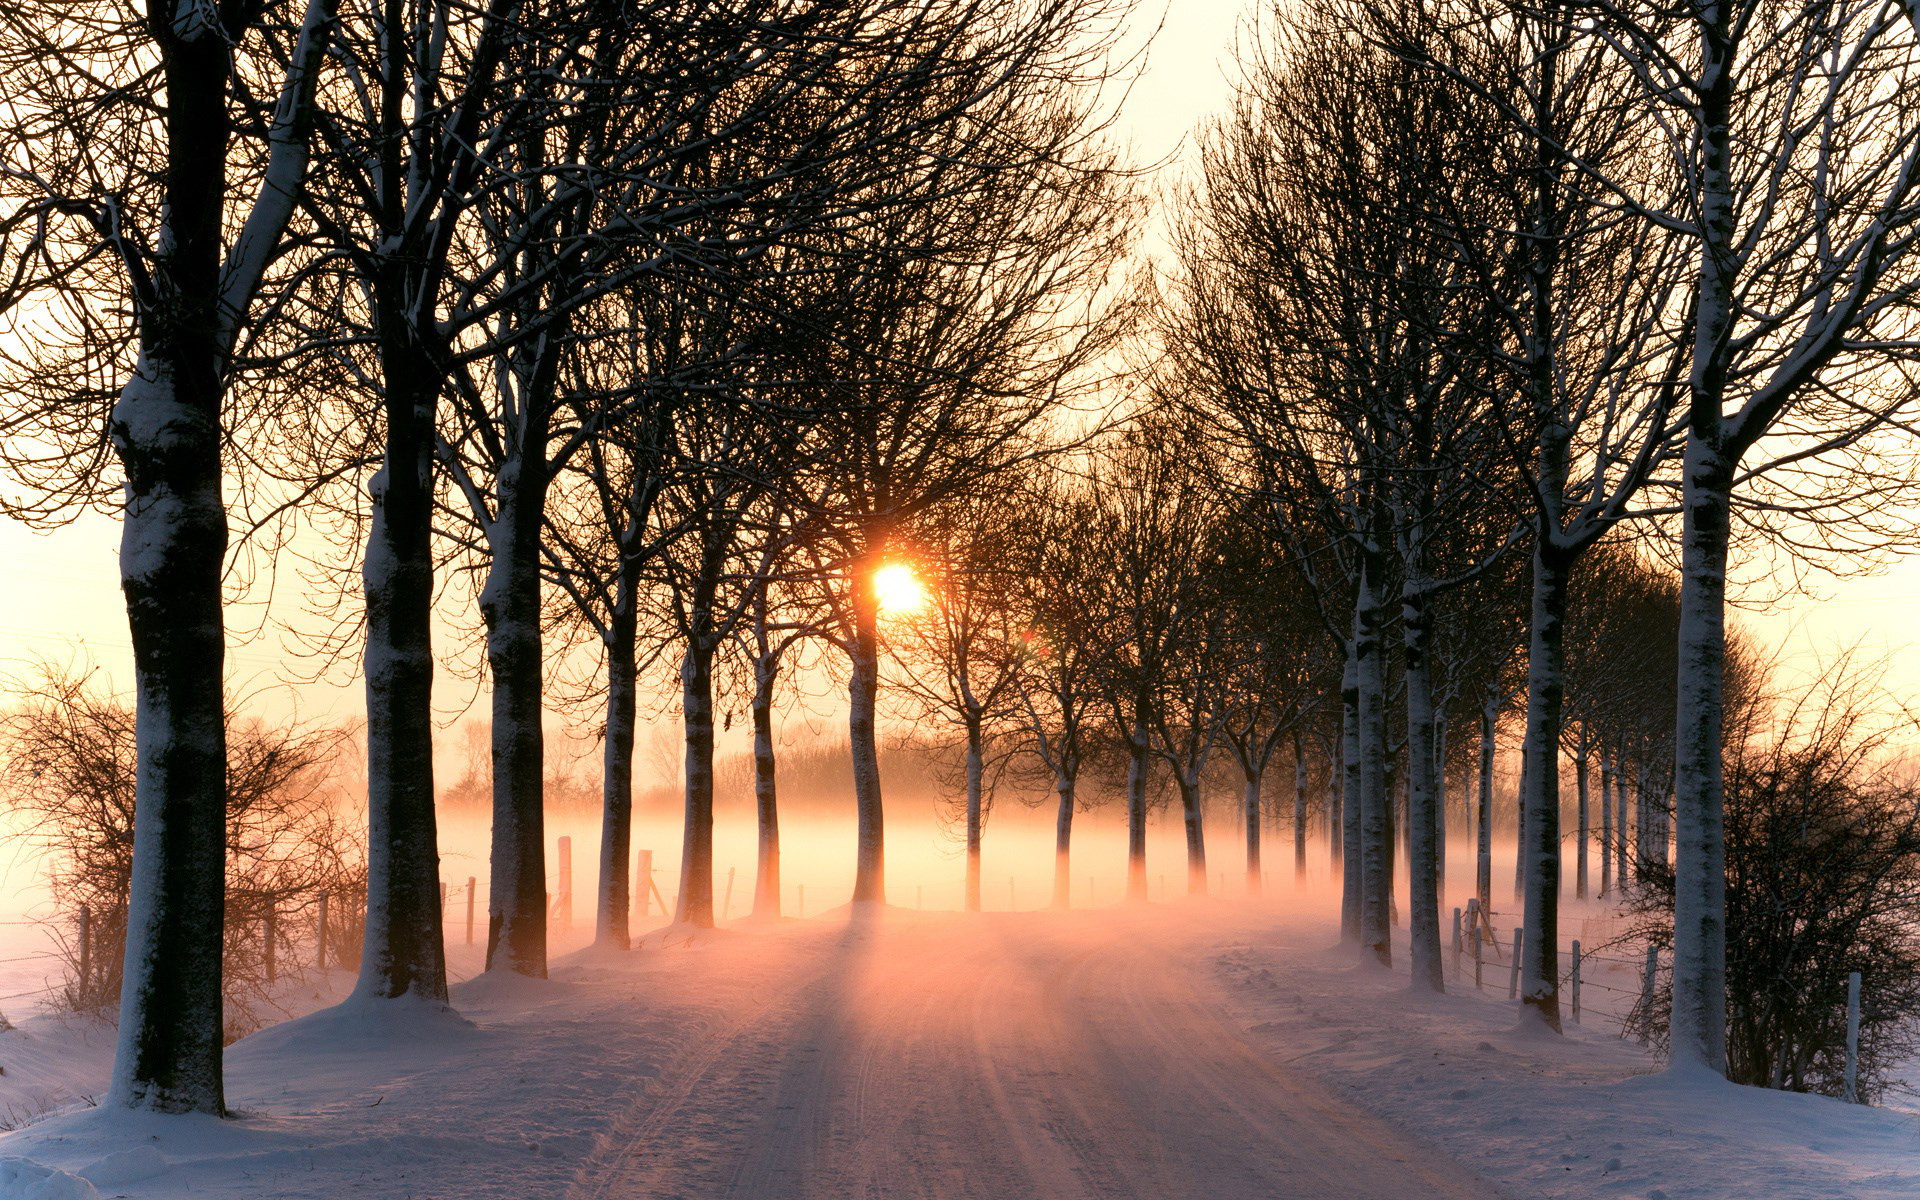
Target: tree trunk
1250, 804
1376, 824
510, 604
1440, 802
1299, 807
1137, 751
695, 904
1350, 803
1189, 783
1423, 887
974, 767
766, 802
1583, 820
863, 691
1606, 826
1483, 866
614, 903
1520, 823
403, 952
166, 430
1540, 804
1063, 784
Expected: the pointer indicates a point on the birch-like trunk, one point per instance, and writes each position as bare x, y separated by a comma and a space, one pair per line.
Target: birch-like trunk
510, 605
1299, 807
975, 760
695, 903
1063, 786
863, 692
1621, 872
1350, 804
766, 800
1137, 760
613, 903
1423, 878
1540, 802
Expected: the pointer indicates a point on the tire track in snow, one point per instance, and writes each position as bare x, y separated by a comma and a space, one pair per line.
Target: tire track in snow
1005, 1056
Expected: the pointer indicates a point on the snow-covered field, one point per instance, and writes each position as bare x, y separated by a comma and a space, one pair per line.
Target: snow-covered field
1213, 1048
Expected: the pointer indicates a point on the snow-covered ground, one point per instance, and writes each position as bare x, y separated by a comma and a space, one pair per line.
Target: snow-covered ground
1217, 1048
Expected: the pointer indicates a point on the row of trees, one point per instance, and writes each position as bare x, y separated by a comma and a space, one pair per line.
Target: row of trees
670, 325
1462, 279
564, 297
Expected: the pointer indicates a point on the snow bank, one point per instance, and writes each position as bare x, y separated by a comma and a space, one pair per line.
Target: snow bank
21, 1179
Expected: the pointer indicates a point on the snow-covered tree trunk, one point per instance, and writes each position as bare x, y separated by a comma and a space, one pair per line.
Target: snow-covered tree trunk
863, 692
166, 430
1250, 809
766, 800
613, 903
1583, 820
1483, 850
510, 605
1698, 1027
403, 952
1064, 787
1350, 804
1137, 760
695, 904
1540, 799
1423, 890
975, 763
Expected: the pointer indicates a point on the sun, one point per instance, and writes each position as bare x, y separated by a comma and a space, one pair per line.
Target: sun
901, 592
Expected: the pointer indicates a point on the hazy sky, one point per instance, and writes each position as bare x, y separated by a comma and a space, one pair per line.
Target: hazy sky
60, 595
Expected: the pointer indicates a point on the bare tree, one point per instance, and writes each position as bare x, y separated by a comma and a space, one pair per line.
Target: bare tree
124, 214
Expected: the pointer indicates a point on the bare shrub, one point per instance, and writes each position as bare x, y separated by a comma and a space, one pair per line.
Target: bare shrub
67, 745
1823, 879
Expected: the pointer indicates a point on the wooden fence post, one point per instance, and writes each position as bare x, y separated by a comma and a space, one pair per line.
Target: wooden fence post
1473, 935
566, 883
1513, 978
1576, 981
1850, 1092
1456, 939
320, 922
643, 880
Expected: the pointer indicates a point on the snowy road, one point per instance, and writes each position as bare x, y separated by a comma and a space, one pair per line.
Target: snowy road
1000, 1058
